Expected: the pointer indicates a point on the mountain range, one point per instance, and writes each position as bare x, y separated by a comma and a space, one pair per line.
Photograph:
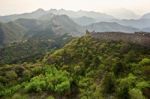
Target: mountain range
136, 23
146, 16
123, 13
48, 55
110, 27
23, 29
40, 12
45, 24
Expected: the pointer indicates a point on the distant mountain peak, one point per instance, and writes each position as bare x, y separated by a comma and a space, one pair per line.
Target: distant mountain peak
40, 10
146, 16
123, 13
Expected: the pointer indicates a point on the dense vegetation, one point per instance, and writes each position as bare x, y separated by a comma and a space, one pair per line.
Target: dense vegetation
33, 49
85, 68
25, 28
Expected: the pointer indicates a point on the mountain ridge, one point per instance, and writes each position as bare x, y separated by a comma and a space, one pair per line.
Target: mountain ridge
23, 29
40, 12
109, 27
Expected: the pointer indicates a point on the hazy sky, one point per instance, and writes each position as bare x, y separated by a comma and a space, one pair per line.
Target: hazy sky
20, 6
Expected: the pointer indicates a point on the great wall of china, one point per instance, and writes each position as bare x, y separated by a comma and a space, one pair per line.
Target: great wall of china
141, 38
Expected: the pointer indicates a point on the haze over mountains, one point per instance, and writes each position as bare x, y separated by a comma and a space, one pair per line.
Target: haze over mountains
146, 16
122, 16
29, 28
40, 22
110, 27
123, 13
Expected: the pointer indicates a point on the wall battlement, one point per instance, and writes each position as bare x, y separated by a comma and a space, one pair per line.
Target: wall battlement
141, 38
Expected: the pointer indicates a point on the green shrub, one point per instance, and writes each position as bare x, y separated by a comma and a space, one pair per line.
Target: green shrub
10, 91
108, 84
142, 85
36, 84
11, 74
52, 80
19, 96
50, 97
136, 94
145, 61
124, 85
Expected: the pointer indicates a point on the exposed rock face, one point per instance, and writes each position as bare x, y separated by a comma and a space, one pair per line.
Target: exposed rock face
141, 38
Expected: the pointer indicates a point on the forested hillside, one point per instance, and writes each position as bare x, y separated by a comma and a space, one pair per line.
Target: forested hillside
24, 29
33, 49
10, 32
85, 68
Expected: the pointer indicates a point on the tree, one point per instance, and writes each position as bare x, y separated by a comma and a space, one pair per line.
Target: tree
108, 84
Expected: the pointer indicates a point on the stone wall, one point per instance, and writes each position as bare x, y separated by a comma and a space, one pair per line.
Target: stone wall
141, 38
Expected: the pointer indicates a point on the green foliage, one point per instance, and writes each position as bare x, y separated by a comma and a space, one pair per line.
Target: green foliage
128, 81
142, 85
11, 74
114, 66
130, 56
50, 97
118, 69
36, 84
10, 91
85, 68
124, 85
32, 49
108, 84
19, 96
145, 61
27, 75
52, 80
136, 94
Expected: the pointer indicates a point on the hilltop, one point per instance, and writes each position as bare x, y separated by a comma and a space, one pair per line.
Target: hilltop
94, 66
